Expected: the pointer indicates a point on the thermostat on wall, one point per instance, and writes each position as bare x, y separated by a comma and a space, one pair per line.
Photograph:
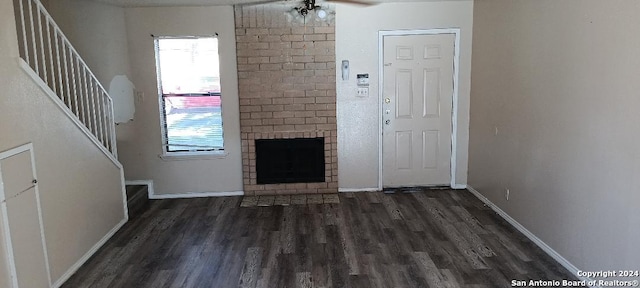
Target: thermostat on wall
363, 79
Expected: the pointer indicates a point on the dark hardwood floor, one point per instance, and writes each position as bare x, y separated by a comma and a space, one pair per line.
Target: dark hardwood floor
434, 238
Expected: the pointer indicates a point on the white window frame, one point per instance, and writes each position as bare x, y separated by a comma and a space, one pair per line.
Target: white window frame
181, 155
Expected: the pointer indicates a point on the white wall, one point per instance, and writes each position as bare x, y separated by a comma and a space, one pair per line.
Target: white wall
559, 80
139, 152
80, 188
358, 118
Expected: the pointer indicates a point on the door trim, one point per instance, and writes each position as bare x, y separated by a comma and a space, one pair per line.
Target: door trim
5, 215
454, 108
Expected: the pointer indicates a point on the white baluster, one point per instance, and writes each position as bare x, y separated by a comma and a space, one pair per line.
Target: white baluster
112, 129
84, 101
93, 105
60, 82
24, 33
33, 40
67, 98
44, 59
73, 83
99, 112
51, 66
80, 104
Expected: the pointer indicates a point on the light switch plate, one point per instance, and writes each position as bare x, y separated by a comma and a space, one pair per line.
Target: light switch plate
362, 91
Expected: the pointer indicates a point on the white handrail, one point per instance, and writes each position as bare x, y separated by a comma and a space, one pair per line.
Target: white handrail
61, 68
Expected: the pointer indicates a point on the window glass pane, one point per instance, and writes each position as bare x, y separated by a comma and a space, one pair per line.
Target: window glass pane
193, 123
189, 65
190, 88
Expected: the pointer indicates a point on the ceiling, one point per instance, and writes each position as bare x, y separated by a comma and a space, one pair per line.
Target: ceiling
144, 3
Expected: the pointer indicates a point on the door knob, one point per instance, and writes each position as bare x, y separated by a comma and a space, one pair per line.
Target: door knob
387, 100
387, 121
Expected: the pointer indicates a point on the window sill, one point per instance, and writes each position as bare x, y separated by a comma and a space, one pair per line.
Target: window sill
178, 156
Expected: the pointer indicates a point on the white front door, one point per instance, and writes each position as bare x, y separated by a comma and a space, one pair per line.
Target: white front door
417, 105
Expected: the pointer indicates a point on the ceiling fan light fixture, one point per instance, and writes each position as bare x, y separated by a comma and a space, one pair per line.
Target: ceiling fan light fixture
321, 14
309, 11
294, 12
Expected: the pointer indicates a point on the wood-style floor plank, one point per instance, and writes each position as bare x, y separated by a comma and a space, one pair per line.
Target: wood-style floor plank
430, 238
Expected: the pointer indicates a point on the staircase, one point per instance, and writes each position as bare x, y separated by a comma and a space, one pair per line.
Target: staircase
53, 104
50, 55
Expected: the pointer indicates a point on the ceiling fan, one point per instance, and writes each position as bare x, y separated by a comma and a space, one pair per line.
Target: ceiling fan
310, 5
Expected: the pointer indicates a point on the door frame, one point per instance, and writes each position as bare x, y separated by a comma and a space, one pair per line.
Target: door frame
5, 216
454, 98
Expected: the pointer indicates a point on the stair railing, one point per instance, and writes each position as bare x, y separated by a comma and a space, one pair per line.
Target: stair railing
49, 53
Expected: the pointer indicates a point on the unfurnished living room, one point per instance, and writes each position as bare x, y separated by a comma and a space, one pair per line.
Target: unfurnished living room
317, 143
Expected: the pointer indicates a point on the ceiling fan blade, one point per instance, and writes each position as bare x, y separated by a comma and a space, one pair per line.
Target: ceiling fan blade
259, 2
356, 2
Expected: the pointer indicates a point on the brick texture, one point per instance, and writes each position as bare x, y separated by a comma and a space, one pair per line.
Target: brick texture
287, 89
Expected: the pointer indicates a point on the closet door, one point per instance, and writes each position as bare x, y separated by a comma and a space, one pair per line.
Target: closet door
24, 245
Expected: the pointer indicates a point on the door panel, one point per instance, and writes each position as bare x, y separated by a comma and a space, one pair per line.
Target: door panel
432, 51
404, 94
404, 141
24, 226
404, 52
16, 175
418, 93
22, 221
431, 93
430, 147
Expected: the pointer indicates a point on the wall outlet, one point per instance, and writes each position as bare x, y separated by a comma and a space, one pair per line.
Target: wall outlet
506, 193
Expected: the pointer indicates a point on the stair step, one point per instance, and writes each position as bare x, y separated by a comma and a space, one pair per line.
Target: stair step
137, 200
134, 189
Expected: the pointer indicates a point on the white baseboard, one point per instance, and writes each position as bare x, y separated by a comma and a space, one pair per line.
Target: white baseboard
459, 186
123, 189
154, 196
148, 183
456, 186
359, 189
196, 195
546, 248
88, 255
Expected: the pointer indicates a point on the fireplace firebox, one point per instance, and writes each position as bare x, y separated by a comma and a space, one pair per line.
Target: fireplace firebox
296, 160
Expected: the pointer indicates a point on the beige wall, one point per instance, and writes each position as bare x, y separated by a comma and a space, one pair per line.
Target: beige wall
140, 141
97, 31
358, 118
80, 187
99, 34
140, 148
559, 80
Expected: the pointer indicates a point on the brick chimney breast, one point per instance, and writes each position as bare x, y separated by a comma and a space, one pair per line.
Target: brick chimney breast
287, 89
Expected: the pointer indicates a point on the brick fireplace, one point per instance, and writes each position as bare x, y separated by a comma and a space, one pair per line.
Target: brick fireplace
287, 89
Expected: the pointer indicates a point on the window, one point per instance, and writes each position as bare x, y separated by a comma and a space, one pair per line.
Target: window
189, 83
